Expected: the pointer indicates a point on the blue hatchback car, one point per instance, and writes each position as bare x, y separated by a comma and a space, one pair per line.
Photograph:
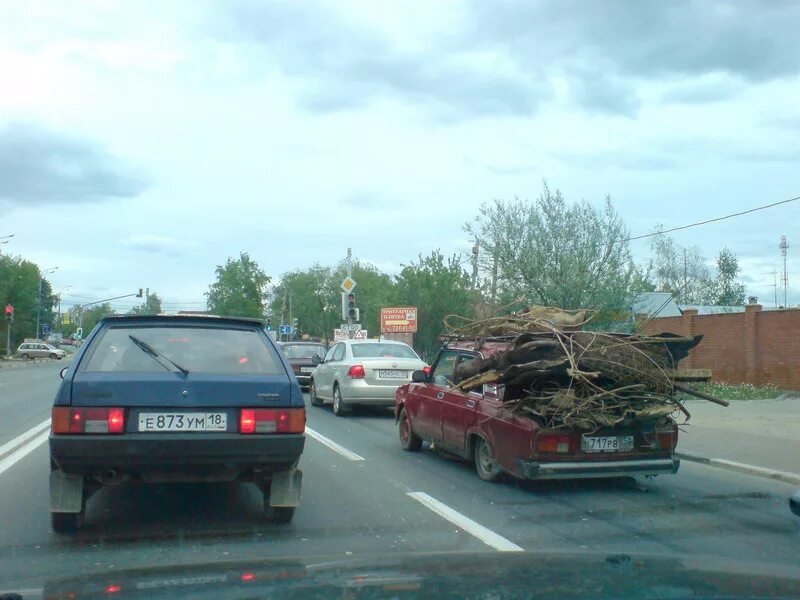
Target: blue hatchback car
176, 398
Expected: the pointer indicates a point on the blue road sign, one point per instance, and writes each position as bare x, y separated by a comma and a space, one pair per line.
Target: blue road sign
287, 330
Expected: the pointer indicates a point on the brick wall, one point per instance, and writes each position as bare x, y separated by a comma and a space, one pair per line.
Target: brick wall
751, 347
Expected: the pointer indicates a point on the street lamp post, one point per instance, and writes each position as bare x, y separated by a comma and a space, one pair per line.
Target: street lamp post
39, 302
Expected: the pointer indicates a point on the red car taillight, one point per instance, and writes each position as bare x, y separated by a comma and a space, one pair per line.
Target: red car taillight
67, 419
553, 443
356, 372
269, 420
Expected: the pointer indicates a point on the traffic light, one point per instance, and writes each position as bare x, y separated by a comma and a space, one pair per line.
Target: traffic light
269, 323
352, 310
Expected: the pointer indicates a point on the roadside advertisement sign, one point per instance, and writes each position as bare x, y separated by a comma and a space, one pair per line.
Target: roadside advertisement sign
399, 320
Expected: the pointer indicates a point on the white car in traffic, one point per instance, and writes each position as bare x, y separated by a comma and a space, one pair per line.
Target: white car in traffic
362, 372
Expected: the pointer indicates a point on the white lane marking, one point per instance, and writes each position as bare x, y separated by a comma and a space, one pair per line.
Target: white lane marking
333, 445
16, 456
5, 448
487, 536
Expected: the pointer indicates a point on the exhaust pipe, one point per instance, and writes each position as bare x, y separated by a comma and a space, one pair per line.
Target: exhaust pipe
111, 477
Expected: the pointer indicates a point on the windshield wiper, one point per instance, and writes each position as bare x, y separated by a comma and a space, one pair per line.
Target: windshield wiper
148, 349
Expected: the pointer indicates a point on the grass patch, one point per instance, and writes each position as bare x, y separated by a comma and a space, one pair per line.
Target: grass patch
744, 391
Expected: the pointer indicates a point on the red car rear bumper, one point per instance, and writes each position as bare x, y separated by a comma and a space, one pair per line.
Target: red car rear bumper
587, 470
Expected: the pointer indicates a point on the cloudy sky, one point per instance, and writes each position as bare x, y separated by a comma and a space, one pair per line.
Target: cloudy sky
142, 143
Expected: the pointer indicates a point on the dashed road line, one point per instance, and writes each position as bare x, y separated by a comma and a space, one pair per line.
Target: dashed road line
348, 454
487, 536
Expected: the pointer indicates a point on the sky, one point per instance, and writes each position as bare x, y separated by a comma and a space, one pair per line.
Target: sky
143, 143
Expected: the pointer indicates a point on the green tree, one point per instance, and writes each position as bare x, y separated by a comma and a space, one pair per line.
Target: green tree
316, 298
681, 271
151, 306
437, 287
19, 286
240, 288
314, 301
88, 318
728, 291
552, 253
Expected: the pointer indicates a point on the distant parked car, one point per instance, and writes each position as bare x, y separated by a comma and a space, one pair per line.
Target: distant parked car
362, 372
40, 350
304, 357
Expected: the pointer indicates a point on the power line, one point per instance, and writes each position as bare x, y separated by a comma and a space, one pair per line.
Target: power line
707, 221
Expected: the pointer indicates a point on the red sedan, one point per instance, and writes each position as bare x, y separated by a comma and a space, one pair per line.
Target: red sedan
477, 427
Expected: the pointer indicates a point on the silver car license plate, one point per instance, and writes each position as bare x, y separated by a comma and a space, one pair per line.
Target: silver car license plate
306, 369
615, 443
392, 374
187, 421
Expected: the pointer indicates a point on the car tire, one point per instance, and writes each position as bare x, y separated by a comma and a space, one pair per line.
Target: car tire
312, 395
277, 514
409, 441
25, 356
53, 355
485, 464
340, 409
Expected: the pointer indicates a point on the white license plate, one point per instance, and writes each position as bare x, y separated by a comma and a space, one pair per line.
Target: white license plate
185, 421
392, 374
616, 443
306, 369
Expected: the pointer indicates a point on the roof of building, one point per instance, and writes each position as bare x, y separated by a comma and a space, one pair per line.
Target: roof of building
655, 304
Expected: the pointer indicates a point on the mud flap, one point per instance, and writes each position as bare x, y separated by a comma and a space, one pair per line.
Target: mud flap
284, 489
66, 492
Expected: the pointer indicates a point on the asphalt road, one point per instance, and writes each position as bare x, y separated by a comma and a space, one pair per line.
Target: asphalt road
362, 496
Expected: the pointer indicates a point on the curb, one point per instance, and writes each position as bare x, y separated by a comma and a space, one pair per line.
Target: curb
731, 465
16, 364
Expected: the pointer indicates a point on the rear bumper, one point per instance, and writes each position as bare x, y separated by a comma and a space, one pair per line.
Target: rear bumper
358, 391
228, 454
588, 470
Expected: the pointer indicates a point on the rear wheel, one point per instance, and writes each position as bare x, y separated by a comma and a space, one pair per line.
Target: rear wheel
485, 464
26, 356
312, 394
53, 355
340, 409
409, 440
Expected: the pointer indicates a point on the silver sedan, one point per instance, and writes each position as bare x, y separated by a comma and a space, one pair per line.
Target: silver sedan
362, 372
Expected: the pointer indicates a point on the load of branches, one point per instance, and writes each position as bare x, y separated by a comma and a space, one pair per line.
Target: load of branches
565, 377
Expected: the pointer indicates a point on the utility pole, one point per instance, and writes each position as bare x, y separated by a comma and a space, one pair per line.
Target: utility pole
685, 276
784, 246
494, 274
475, 250
291, 322
39, 297
349, 274
774, 274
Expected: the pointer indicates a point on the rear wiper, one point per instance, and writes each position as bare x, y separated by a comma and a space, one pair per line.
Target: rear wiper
147, 348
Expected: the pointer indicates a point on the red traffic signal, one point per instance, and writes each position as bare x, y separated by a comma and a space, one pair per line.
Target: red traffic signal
9, 309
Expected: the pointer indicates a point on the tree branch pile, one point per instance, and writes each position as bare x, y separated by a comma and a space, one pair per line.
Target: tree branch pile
564, 377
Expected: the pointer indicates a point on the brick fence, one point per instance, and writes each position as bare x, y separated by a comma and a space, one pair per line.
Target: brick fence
755, 346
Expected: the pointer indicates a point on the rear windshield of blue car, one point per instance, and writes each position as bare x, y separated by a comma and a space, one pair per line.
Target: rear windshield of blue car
197, 349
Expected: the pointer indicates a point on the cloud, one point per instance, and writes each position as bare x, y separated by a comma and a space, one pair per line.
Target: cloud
341, 65
39, 167
754, 40
157, 244
702, 91
620, 159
